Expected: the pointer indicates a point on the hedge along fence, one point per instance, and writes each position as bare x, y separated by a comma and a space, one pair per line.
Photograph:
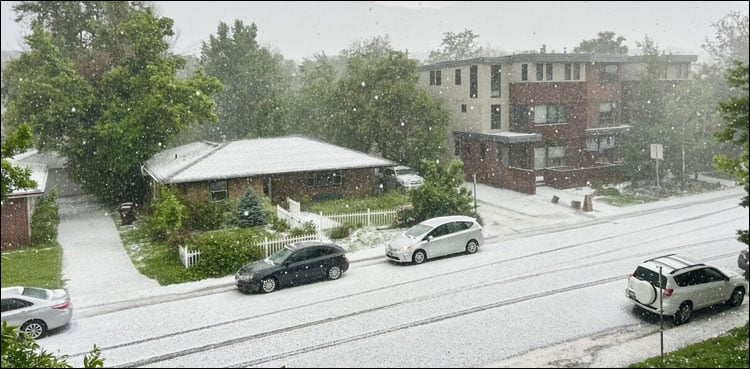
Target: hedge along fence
224, 252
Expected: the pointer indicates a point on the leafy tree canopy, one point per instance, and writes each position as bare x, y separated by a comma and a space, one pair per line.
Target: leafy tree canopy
14, 177
457, 46
605, 43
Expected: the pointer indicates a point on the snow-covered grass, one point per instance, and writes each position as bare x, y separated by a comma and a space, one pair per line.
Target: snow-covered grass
368, 237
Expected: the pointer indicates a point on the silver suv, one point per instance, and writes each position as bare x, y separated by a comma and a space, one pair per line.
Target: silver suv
687, 286
401, 178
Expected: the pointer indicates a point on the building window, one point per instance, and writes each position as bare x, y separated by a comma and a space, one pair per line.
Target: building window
549, 71
218, 190
324, 179
438, 78
609, 73
432, 78
684, 70
607, 114
539, 72
482, 150
520, 118
549, 156
502, 154
495, 81
577, 72
473, 87
524, 72
463, 108
550, 114
458, 77
456, 147
568, 69
495, 117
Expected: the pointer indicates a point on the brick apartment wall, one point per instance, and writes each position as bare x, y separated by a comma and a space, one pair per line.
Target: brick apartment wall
578, 177
490, 171
15, 223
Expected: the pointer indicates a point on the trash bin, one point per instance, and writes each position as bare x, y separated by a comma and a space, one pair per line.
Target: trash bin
127, 216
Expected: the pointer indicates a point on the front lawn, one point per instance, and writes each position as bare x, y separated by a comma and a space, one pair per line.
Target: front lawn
385, 201
33, 267
651, 193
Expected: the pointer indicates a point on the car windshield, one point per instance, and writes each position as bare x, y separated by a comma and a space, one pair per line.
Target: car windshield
280, 256
417, 230
650, 276
35, 292
405, 171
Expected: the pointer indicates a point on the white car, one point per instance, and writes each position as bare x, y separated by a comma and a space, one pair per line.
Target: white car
686, 286
436, 237
400, 177
36, 310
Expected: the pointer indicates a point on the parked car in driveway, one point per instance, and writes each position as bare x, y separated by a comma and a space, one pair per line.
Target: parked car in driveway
36, 310
436, 237
295, 264
686, 286
742, 262
400, 177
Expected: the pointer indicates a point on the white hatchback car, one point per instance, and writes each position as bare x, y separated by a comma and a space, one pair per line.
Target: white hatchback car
687, 285
36, 310
436, 237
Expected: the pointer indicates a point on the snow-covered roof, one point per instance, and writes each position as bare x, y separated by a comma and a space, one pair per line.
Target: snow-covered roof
38, 175
201, 161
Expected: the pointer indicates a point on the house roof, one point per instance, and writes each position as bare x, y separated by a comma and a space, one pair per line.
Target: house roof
557, 58
202, 161
38, 175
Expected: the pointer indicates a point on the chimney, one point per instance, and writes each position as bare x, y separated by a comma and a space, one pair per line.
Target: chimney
565, 50
543, 50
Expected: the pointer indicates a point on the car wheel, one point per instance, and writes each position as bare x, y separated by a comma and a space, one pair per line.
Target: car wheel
472, 246
419, 257
737, 296
334, 272
34, 328
268, 284
684, 314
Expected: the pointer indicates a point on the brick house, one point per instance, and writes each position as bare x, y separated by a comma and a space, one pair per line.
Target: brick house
295, 167
18, 208
522, 120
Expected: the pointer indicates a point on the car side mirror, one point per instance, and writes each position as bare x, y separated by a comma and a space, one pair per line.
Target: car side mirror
430, 237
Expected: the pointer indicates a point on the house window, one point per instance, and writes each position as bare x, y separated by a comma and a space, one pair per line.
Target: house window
549, 71
218, 190
550, 114
520, 118
502, 154
432, 78
438, 77
684, 70
456, 147
539, 72
524, 72
609, 73
577, 72
606, 114
495, 117
458, 77
463, 108
495, 81
568, 69
473, 87
549, 156
482, 150
324, 179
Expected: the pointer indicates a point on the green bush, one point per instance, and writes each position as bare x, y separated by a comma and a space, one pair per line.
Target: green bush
306, 229
167, 216
279, 225
44, 220
205, 215
406, 217
224, 252
607, 192
340, 232
442, 193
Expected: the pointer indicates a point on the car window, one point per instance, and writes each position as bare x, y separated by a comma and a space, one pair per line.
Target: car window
35, 292
440, 231
280, 256
693, 278
417, 230
650, 276
13, 304
713, 275
301, 255
325, 250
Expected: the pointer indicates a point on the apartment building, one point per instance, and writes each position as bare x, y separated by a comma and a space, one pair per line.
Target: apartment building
552, 118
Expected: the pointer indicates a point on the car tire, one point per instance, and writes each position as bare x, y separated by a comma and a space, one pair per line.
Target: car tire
268, 284
34, 328
684, 313
472, 246
738, 295
334, 272
419, 257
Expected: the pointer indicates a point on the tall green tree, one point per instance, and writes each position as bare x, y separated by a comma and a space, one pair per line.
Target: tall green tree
605, 43
318, 80
378, 107
252, 103
14, 177
734, 111
442, 193
457, 46
109, 122
730, 41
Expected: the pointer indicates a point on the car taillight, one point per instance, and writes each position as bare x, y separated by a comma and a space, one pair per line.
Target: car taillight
62, 306
667, 292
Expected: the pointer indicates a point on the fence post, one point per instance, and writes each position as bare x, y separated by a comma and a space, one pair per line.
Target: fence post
265, 245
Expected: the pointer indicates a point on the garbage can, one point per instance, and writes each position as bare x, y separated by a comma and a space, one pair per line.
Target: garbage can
127, 216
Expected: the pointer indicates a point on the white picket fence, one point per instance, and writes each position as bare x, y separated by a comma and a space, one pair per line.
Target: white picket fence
190, 258
367, 218
187, 257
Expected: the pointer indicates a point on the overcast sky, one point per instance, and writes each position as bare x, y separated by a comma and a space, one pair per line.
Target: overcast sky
301, 29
